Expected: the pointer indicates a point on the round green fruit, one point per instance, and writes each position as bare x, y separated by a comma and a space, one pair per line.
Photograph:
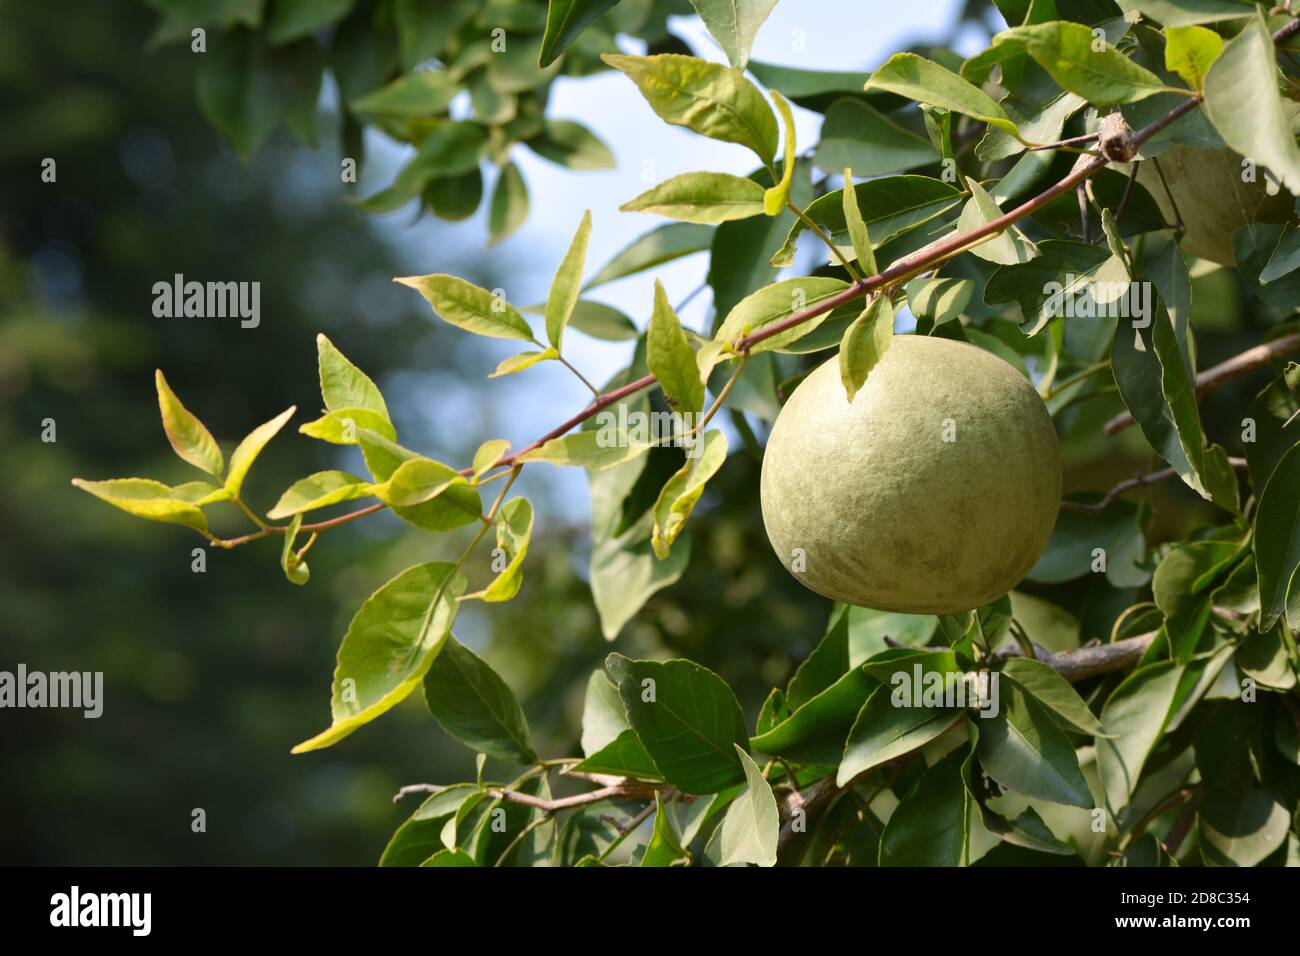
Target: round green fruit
1207, 186
934, 491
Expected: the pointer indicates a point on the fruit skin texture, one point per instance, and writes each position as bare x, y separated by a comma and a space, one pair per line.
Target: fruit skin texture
1214, 202
889, 515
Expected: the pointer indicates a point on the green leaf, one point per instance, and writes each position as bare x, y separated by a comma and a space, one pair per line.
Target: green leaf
671, 358
442, 506
1022, 749
689, 720
189, 438
451, 148
885, 730
680, 493
664, 848
1180, 13
662, 244
246, 452
1277, 543
292, 19
815, 732
237, 89
603, 716
624, 756
469, 307
340, 426
523, 361
416, 481
473, 704
415, 94
343, 385
939, 300
487, 456
389, 647
1190, 52
450, 858
602, 321
1285, 258
927, 82
712, 100
566, 284
752, 824
294, 568
1242, 103
318, 490
596, 450
413, 842
1066, 51
865, 343
1134, 715
571, 145
859, 234
509, 206
1062, 272
1009, 247
514, 532
1053, 692
145, 499
774, 303
734, 24
775, 198
855, 134
812, 89
931, 825
1241, 829
565, 20
702, 198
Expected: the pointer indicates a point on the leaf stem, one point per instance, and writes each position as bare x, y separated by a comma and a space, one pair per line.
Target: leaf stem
817, 231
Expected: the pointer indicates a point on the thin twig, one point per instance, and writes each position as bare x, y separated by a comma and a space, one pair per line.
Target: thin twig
1129, 484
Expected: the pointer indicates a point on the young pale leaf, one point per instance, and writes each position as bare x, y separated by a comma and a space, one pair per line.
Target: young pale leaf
469, 307
565, 20
775, 198
1190, 52
1277, 543
567, 283
776, 302
752, 824
340, 426
488, 454
1242, 103
343, 385
712, 100
927, 82
522, 361
663, 244
701, 198
145, 499
1134, 716
664, 848
509, 206
294, 568
597, 450
1009, 247
189, 438
514, 531
859, 235
319, 490
1067, 51
452, 506
389, 647
417, 481
1022, 749
473, 704
931, 825
679, 494
199, 493
688, 719
671, 358
884, 731
734, 24
865, 343
246, 452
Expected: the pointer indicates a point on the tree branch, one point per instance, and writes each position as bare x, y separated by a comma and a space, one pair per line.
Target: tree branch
1128, 485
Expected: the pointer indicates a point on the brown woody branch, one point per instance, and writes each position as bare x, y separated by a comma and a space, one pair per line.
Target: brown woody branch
1128, 485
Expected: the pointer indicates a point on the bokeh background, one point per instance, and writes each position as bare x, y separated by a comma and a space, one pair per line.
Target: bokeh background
211, 678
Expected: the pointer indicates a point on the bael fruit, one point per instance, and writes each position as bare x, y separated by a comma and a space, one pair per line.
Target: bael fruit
934, 491
1213, 199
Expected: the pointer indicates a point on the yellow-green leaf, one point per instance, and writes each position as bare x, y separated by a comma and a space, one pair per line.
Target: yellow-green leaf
1067, 51
145, 499
488, 454
597, 449
680, 493
514, 531
340, 426
925, 81
294, 569
389, 647
343, 385
865, 341
776, 302
1190, 51
774, 199
189, 438
567, 283
469, 307
702, 198
248, 450
319, 490
200, 493
416, 481
670, 357
517, 363
857, 226
1009, 247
